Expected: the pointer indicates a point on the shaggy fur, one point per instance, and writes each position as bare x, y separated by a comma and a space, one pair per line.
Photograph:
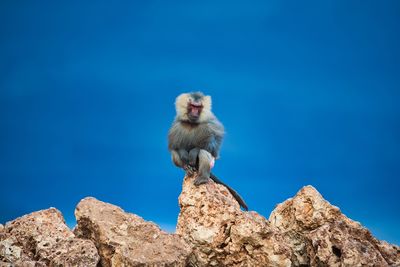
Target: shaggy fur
195, 142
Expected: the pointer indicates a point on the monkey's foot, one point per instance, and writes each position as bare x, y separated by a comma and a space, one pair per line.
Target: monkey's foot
200, 180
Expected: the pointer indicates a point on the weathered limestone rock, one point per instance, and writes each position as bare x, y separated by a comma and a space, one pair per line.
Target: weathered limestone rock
305, 230
42, 239
321, 235
125, 239
222, 235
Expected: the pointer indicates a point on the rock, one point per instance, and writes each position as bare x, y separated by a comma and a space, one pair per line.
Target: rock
125, 239
42, 239
321, 235
222, 235
212, 230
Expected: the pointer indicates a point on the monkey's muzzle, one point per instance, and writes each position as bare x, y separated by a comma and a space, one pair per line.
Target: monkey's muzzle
194, 110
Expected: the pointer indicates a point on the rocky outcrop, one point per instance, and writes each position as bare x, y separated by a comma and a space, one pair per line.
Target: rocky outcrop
320, 235
303, 231
125, 239
42, 239
223, 235
212, 230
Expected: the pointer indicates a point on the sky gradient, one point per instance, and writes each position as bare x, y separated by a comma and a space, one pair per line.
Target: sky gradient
308, 93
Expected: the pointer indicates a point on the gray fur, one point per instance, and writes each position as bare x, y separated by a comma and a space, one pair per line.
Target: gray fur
188, 139
204, 167
205, 135
194, 143
193, 155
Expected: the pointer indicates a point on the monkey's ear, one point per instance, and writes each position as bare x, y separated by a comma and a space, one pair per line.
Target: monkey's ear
207, 102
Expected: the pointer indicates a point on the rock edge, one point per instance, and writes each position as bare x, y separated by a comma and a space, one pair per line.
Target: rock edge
212, 230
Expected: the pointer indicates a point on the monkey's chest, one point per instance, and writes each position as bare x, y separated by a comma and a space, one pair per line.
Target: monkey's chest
193, 137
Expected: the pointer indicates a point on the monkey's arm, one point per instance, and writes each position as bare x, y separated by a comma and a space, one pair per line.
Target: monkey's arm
193, 155
194, 158
216, 134
180, 157
184, 155
214, 145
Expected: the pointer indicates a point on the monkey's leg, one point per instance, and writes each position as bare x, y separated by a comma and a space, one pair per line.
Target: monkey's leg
193, 155
184, 156
177, 159
205, 160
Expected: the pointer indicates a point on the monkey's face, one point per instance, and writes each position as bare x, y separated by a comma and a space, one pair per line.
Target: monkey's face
193, 107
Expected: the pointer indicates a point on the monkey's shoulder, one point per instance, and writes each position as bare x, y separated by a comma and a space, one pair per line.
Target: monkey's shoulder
216, 126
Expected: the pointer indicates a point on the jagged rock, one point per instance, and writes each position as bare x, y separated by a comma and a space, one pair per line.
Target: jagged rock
305, 230
321, 235
42, 239
222, 235
125, 239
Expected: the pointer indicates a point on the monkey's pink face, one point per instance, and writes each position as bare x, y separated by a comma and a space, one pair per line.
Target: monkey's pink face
194, 109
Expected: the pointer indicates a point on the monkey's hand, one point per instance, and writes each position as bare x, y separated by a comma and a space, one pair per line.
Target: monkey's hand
189, 170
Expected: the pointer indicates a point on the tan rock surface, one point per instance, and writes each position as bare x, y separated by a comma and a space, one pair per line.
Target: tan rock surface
328, 236
42, 239
305, 230
125, 239
222, 235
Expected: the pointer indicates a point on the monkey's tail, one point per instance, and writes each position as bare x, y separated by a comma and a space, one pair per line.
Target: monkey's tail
235, 194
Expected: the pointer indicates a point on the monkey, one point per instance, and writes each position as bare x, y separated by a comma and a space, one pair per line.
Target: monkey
195, 138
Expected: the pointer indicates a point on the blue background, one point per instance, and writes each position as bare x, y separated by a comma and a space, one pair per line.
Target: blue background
308, 93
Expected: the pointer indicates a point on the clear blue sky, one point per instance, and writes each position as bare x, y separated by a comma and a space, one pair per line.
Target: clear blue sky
308, 93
